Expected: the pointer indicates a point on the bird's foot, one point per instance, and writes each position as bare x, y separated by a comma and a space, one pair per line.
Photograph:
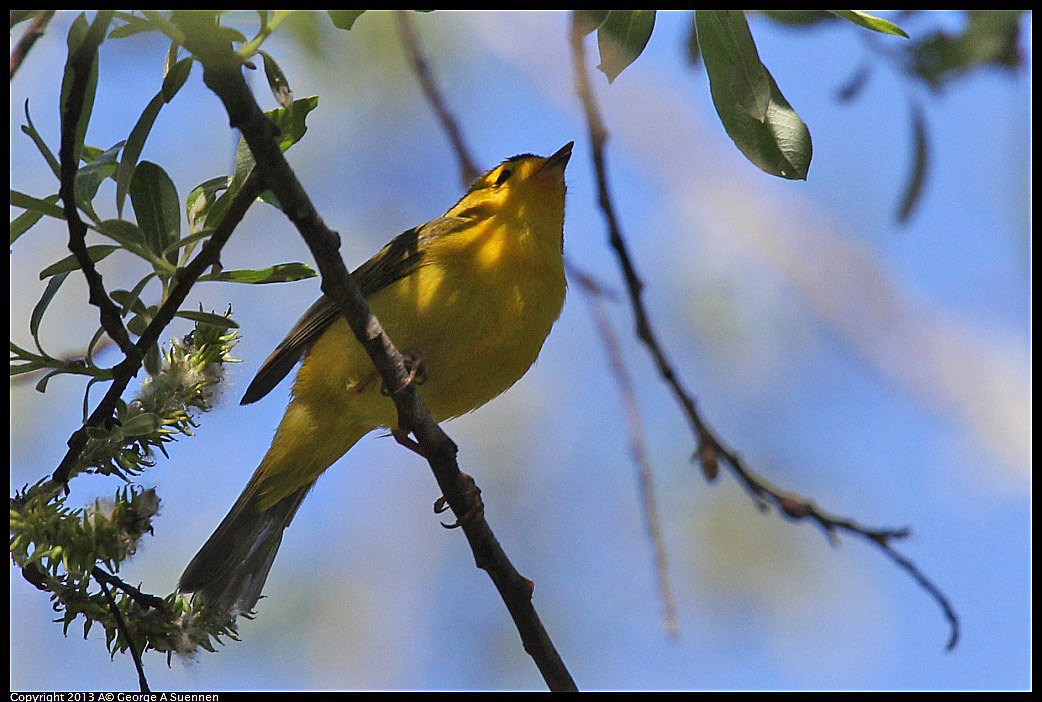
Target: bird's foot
415, 368
475, 511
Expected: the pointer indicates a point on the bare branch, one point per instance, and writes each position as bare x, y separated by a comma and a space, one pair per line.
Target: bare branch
709, 448
638, 447
34, 32
468, 171
122, 626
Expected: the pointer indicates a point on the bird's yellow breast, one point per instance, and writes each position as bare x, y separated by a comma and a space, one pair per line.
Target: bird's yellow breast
478, 309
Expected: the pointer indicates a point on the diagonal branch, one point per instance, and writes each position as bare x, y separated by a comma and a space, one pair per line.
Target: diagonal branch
710, 449
223, 75
34, 32
121, 624
468, 171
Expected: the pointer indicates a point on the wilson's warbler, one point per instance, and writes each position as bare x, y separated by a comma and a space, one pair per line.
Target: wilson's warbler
474, 292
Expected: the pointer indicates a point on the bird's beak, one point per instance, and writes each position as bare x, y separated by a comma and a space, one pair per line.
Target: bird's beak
559, 159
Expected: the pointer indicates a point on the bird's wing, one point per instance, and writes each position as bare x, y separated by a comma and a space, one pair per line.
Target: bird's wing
392, 263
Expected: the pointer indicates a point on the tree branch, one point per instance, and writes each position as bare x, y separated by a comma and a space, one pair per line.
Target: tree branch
468, 171
34, 32
710, 448
223, 75
122, 626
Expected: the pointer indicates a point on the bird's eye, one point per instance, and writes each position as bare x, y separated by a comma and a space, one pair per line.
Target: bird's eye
503, 176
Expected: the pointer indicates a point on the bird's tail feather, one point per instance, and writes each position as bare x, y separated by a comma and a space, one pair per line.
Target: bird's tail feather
230, 569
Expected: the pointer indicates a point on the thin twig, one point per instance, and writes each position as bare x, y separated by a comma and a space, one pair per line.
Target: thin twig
223, 75
468, 171
81, 63
34, 32
709, 448
122, 626
638, 447
142, 598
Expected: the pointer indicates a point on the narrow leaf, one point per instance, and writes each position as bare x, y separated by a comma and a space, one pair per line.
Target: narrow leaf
277, 80
292, 124
23, 222
41, 307
69, 263
279, 273
176, 77
621, 39
30, 130
914, 188
135, 143
44, 207
344, 19
134, 25
123, 232
211, 318
200, 235
202, 197
77, 33
876, 24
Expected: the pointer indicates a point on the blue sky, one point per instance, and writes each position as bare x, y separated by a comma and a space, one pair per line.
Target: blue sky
882, 370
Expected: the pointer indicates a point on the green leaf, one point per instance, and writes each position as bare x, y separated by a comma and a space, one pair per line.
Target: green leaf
44, 207
279, 273
589, 20
778, 143
31, 132
129, 301
202, 198
292, 124
798, 18
176, 77
156, 206
134, 25
69, 263
42, 385
192, 239
132, 300
142, 424
123, 232
172, 83
344, 19
277, 80
41, 307
914, 188
23, 222
211, 318
90, 177
77, 33
876, 24
135, 143
621, 39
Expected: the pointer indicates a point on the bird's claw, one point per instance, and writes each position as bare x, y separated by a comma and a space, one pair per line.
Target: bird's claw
474, 512
416, 371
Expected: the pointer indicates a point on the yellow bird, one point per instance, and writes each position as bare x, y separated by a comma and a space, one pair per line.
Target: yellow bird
475, 292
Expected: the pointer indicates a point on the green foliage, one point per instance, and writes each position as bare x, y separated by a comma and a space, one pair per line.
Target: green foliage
753, 110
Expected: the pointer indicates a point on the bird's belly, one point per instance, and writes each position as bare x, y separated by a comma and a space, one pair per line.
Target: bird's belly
477, 335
